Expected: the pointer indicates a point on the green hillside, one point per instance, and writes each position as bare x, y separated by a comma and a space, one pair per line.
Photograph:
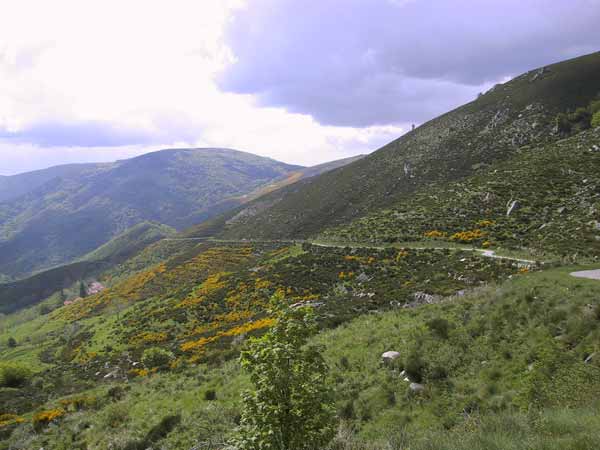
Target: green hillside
15, 186
129, 243
101, 262
463, 142
554, 191
452, 246
498, 365
68, 217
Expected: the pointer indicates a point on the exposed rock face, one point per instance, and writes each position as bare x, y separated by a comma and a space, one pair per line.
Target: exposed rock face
422, 298
362, 278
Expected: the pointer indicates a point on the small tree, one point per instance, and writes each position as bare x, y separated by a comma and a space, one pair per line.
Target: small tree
291, 407
13, 375
156, 358
594, 107
562, 123
82, 290
596, 120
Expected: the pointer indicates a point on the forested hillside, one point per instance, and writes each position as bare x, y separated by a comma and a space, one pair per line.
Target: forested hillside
71, 215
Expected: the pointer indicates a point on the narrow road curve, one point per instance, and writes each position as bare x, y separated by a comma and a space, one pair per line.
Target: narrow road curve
589, 274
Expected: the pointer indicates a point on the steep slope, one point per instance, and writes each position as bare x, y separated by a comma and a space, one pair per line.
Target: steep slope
32, 290
14, 186
477, 135
291, 178
545, 199
70, 216
129, 243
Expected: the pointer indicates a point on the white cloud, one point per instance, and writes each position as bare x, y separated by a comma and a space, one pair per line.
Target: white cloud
147, 66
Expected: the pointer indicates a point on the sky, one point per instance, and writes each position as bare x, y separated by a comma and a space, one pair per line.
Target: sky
301, 81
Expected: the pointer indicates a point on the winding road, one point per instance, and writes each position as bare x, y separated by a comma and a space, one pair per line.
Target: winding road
589, 274
484, 252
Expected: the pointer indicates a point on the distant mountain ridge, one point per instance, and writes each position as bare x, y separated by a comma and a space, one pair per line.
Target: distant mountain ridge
75, 209
14, 186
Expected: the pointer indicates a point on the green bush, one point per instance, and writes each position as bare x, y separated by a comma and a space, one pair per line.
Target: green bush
115, 415
116, 393
440, 327
596, 120
12, 342
594, 107
156, 433
562, 123
414, 367
291, 407
14, 375
156, 358
210, 395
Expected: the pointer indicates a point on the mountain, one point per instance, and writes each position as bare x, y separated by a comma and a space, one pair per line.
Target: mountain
492, 350
130, 242
296, 176
15, 186
545, 198
511, 117
32, 290
71, 215
129, 252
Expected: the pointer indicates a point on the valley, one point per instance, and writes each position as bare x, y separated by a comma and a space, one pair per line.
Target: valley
452, 276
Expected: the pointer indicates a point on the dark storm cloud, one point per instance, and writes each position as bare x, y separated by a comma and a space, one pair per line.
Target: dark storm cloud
76, 134
367, 62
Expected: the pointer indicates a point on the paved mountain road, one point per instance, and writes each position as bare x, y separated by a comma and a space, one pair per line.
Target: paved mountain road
590, 274
484, 252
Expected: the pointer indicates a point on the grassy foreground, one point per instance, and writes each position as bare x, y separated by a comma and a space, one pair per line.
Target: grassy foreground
502, 368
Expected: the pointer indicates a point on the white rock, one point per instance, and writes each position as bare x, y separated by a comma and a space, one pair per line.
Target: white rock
390, 356
416, 387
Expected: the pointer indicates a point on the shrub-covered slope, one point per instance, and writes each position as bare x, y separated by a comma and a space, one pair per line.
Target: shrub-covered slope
501, 367
545, 198
70, 216
480, 134
131, 242
199, 305
104, 260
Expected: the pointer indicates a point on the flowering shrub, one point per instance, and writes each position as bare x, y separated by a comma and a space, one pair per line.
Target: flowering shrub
79, 403
139, 372
7, 420
149, 337
435, 234
43, 418
156, 357
468, 236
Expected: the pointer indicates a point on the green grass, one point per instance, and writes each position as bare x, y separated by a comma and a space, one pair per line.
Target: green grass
514, 379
